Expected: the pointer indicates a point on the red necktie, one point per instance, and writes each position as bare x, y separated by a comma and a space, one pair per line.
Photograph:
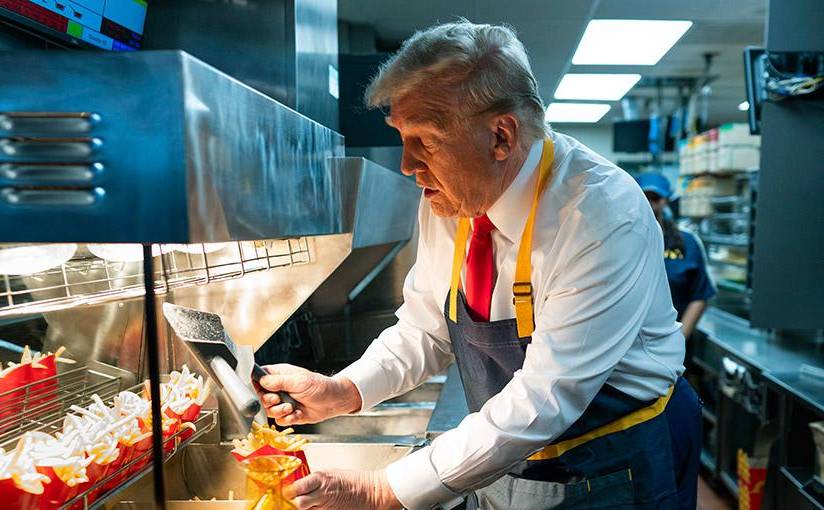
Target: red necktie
480, 269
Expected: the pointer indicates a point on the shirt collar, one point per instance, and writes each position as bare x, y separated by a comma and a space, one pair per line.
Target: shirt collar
509, 212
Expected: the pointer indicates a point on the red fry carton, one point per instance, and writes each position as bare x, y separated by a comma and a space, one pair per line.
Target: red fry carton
42, 395
13, 497
12, 393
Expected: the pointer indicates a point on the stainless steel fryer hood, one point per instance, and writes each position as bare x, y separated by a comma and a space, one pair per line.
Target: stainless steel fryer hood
380, 205
156, 147
160, 147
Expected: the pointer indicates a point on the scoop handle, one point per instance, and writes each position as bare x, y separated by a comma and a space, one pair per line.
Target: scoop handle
258, 372
244, 399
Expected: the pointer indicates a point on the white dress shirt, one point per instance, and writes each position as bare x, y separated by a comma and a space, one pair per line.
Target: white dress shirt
603, 314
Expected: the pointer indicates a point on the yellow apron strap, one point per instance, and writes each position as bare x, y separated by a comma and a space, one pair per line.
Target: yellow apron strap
634, 418
524, 315
522, 288
522, 284
458, 257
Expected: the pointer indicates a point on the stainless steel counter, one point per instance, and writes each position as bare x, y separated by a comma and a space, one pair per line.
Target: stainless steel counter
451, 407
778, 358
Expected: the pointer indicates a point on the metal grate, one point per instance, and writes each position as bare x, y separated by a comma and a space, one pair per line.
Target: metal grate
89, 280
43, 404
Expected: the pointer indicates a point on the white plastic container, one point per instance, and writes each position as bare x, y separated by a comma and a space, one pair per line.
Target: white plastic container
737, 133
701, 159
712, 161
737, 157
686, 165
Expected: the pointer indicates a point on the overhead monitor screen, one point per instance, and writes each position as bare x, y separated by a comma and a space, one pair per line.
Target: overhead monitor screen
108, 24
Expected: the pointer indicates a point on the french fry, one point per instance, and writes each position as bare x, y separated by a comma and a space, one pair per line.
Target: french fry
44, 471
263, 440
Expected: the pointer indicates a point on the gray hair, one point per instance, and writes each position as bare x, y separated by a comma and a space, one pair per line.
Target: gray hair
483, 68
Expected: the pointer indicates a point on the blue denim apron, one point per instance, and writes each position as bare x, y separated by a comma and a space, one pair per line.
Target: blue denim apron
651, 465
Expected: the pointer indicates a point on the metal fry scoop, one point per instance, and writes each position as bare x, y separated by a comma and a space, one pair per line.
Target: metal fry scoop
205, 335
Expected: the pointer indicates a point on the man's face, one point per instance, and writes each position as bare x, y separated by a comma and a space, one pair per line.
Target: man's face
455, 166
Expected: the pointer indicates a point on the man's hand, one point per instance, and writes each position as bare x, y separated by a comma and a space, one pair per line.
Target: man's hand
319, 397
343, 490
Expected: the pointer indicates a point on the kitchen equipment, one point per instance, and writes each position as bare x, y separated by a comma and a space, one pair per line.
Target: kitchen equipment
171, 150
203, 332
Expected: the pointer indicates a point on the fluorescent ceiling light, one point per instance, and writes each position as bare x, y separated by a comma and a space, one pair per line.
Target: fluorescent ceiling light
605, 87
628, 41
744, 106
576, 112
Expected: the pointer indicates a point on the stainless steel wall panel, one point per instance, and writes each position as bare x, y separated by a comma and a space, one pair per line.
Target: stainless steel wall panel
316, 58
188, 153
788, 249
284, 48
256, 169
142, 142
249, 40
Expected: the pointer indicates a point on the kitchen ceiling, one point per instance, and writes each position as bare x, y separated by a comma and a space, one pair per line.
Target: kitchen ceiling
551, 29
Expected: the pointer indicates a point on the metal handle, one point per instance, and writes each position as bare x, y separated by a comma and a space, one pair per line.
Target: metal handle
50, 197
258, 372
49, 172
31, 147
244, 399
46, 122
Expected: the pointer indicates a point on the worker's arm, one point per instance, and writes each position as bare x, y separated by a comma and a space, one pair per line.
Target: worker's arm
702, 288
417, 346
692, 314
401, 358
589, 315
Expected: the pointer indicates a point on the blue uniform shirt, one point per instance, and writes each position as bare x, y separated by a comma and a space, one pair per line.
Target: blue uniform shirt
687, 273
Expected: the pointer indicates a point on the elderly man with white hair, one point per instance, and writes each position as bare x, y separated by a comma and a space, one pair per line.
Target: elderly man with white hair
540, 273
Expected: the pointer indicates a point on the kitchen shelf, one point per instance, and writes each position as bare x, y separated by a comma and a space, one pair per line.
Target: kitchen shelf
727, 263
729, 200
732, 286
727, 172
725, 240
90, 280
730, 216
804, 482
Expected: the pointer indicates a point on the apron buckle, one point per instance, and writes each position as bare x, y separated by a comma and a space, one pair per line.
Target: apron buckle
521, 292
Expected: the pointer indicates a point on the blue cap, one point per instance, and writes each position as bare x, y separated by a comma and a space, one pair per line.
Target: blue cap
655, 183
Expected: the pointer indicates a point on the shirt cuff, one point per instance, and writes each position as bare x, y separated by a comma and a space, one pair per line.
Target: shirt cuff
370, 380
415, 482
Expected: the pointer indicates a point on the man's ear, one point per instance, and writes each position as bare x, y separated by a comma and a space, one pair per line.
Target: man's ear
505, 132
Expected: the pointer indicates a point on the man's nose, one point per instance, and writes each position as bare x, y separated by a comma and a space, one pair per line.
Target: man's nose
410, 165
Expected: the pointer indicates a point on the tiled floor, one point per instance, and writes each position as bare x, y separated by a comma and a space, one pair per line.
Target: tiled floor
709, 500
